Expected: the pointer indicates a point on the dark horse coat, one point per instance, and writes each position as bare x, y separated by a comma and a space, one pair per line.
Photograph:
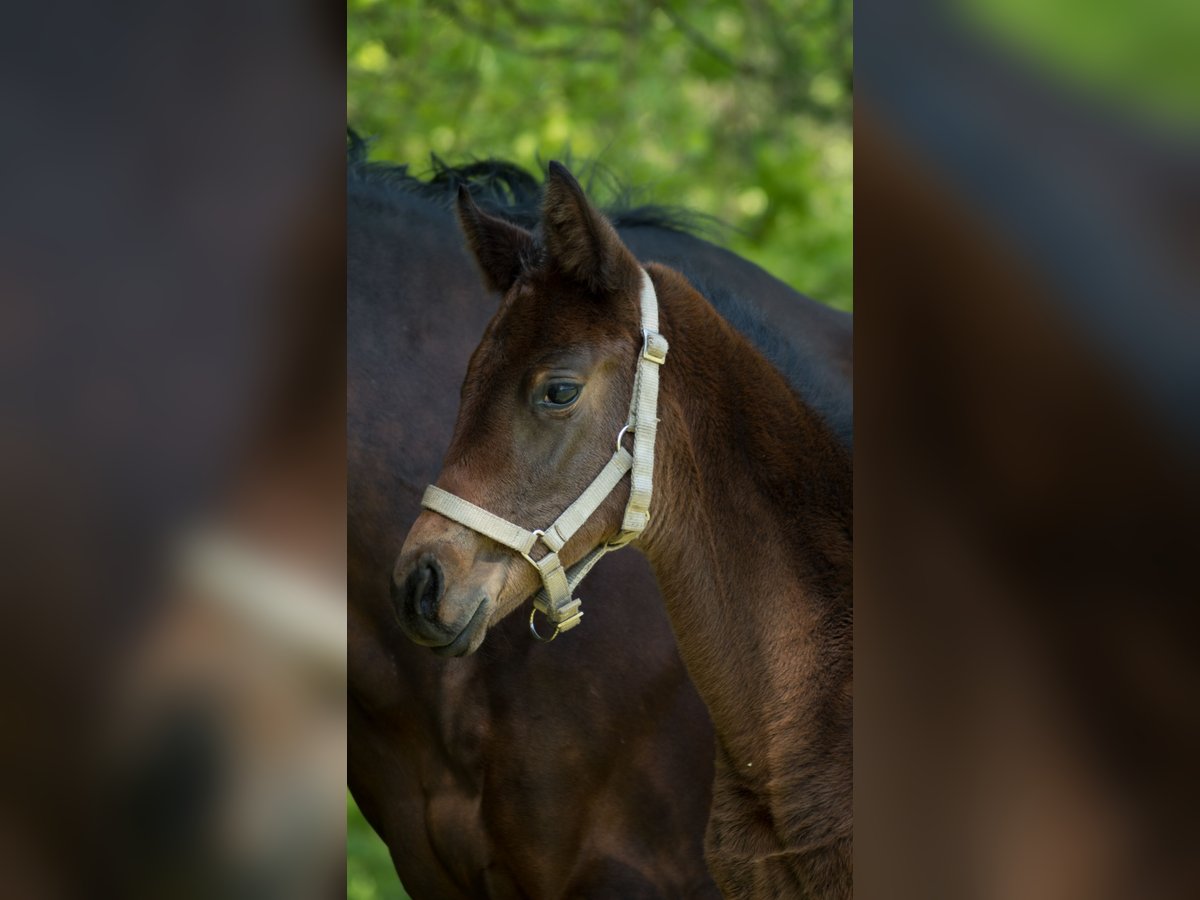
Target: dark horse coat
583, 767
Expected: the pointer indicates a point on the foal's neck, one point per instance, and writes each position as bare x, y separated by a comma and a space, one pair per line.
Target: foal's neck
750, 536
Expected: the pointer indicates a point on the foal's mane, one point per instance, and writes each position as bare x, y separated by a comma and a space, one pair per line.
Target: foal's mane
506, 190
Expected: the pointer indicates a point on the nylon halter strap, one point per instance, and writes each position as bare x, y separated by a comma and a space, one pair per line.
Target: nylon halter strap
556, 598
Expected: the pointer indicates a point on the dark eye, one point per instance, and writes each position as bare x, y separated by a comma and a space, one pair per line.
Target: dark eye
560, 394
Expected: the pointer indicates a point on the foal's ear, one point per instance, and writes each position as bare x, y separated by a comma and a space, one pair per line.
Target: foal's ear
579, 240
500, 247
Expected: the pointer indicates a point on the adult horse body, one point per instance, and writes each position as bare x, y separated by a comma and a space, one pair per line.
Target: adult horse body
750, 533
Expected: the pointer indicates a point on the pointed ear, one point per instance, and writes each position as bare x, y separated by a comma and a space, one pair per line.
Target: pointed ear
579, 240
500, 248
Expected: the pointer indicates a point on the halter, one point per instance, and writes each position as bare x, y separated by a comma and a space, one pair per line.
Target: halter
555, 598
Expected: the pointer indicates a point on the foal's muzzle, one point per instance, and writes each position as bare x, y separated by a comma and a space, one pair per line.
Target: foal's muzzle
442, 598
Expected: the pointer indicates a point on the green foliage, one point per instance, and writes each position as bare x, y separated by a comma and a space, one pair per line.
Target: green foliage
1140, 55
737, 109
369, 871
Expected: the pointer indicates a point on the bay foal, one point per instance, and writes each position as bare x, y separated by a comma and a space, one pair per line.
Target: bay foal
749, 533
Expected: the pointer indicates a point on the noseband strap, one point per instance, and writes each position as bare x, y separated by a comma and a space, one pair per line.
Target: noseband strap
556, 598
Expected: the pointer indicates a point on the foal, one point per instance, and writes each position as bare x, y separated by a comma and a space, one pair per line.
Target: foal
749, 531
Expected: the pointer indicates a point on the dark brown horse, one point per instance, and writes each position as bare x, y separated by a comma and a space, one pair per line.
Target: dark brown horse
750, 533
460, 764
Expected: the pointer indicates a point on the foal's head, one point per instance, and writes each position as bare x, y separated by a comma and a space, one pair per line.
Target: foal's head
545, 395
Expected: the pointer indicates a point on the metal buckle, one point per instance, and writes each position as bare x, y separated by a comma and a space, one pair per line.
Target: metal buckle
654, 347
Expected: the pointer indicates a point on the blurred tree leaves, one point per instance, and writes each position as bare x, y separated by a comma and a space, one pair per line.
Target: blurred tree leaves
1141, 56
737, 109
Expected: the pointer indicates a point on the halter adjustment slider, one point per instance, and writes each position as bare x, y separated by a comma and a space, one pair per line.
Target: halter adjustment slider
654, 347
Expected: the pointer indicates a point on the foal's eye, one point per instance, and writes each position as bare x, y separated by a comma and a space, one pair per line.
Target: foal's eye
560, 394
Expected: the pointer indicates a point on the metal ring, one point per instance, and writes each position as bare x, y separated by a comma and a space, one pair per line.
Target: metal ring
621, 434
533, 628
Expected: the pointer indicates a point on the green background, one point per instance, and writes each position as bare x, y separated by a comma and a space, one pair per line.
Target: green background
737, 109
740, 110
369, 872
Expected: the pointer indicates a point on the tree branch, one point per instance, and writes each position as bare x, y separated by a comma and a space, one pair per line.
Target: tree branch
502, 39
701, 42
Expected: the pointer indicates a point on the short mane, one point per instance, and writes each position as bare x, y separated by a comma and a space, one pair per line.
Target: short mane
506, 190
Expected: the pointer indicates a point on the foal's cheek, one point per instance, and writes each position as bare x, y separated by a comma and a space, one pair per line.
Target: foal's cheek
520, 582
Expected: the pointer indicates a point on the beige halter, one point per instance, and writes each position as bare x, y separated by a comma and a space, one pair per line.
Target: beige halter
555, 598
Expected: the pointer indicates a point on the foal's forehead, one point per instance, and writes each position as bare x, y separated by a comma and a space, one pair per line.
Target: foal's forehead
544, 285
546, 323
553, 297
541, 308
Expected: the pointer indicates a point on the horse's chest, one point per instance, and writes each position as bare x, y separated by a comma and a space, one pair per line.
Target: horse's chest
752, 857
453, 824
741, 823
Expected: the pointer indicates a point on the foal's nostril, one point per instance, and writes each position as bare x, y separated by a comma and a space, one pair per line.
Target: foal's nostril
423, 589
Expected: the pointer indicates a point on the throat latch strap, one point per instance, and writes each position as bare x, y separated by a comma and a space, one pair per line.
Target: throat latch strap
555, 599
